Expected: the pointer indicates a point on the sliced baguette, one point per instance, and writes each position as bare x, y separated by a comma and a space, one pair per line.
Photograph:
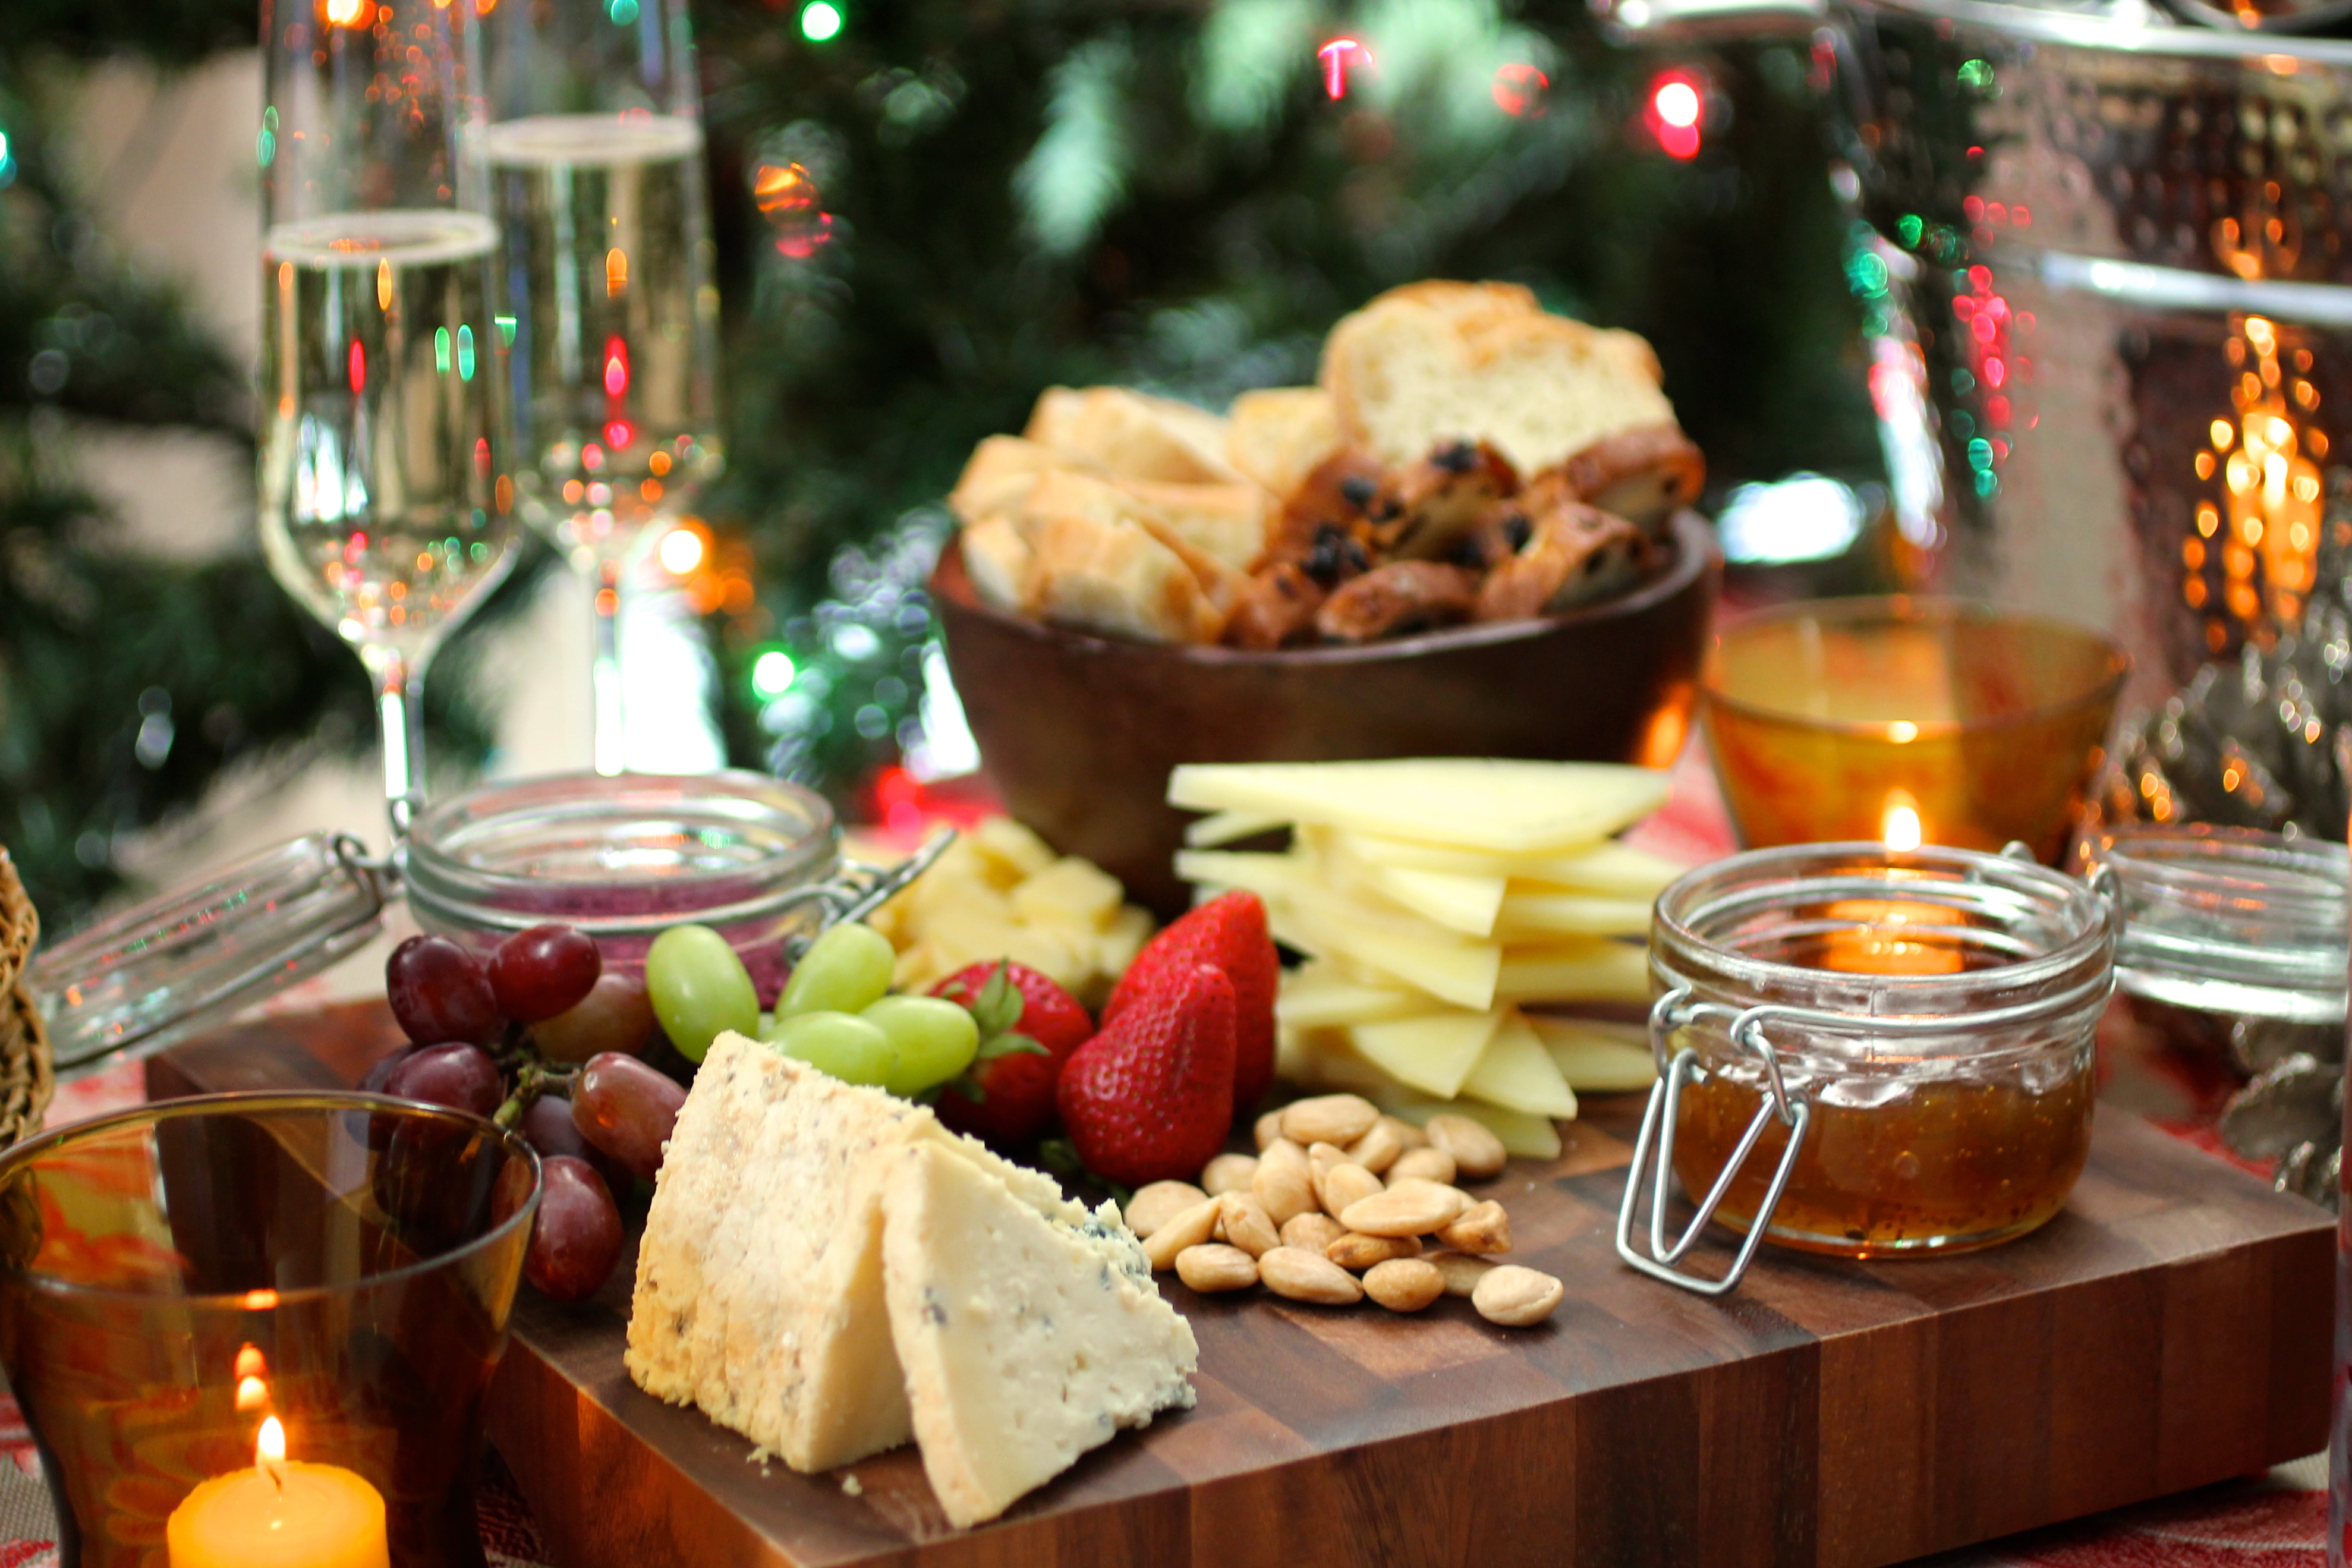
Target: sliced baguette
1406, 374
999, 476
1277, 435
1225, 522
1132, 435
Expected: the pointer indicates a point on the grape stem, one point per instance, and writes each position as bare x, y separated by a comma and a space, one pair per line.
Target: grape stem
532, 1078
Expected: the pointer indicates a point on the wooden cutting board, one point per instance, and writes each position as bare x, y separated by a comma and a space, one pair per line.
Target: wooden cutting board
2170, 1328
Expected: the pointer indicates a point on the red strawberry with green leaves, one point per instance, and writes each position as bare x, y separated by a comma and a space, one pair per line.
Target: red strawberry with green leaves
1229, 932
1152, 1097
1028, 1027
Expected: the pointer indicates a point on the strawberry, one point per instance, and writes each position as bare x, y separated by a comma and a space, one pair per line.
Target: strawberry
1229, 932
1028, 1027
1152, 1097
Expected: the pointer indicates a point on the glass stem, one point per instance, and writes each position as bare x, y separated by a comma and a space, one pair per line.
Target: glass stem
611, 727
400, 714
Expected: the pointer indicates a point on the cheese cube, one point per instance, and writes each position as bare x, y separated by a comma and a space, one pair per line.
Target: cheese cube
1070, 891
1120, 940
1009, 849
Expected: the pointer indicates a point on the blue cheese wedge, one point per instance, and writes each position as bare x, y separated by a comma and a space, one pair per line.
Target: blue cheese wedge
1027, 1338
763, 1293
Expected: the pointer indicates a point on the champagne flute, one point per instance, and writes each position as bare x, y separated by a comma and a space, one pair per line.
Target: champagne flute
595, 155
385, 511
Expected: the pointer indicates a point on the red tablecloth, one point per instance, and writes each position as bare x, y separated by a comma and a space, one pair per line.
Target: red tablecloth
2279, 1520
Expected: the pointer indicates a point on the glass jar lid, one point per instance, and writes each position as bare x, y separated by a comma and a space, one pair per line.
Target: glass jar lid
605, 854
2229, 920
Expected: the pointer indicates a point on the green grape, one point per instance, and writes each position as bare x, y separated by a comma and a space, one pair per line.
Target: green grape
846, 969
700, 988
842, 1044
936, 1040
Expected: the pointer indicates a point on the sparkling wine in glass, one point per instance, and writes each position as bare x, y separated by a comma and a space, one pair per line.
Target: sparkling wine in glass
385, 511
595, 157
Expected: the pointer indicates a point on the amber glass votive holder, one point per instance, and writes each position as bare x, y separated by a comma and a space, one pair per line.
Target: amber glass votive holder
258, 1329
1908, 720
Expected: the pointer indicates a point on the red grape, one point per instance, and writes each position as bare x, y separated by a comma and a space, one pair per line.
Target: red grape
455, 1074
544, 971
625, 1109
576, 1238
547, 1125
615, 1015
372, 1081
439, 991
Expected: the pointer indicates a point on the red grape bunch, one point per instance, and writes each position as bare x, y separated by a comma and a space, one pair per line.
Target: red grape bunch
541, 1038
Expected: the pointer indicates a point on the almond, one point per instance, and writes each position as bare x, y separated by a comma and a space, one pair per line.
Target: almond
1227, 1173
1339, 1119
1462, 1271
1267, 1129
1403, 1284
1311, 1232
1343, 1185
1409, 1208
1281, 1181
1478, 1153
1423, 1164
1409, 1135
1247, 1223
1483, 1228
1377, 1150
1307, 1277
1191, 1228
1357, 1253
1213, 1267
1516, 1297
1156, 1204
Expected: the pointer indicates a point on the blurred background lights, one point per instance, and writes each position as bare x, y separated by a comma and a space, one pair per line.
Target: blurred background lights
681, 551
1338, 57
1676, 105
820, 20
1519, 89
772, 673
1805, 517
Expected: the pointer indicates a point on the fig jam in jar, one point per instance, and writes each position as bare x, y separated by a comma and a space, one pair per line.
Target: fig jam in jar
1919, 1023
625, 857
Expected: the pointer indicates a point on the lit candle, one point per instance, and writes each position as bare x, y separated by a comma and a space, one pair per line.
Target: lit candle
1899, 825
280, 1514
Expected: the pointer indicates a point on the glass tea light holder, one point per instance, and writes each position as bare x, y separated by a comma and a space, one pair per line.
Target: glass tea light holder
1908, 720
256, 1330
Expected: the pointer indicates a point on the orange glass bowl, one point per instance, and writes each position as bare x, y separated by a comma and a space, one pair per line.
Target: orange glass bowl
1908, 720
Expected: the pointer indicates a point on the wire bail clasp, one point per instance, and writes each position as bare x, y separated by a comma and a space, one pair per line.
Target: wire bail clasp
1671, 1012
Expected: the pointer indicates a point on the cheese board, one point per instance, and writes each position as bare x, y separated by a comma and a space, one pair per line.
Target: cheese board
2171, 1327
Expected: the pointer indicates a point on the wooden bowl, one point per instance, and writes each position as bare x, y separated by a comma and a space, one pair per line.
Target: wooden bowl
1078, 732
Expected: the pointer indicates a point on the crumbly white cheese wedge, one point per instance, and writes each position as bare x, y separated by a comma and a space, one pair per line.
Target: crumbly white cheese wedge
1027, 1338
759, 1294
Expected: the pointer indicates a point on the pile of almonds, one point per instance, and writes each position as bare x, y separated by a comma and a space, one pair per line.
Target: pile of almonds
1338, 1205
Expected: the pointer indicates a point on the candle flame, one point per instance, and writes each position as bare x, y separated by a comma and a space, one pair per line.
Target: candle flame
269, 1448
252, 1394
251, 1362
1900, 826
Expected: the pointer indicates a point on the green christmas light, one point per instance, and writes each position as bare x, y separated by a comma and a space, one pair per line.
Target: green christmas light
820, 21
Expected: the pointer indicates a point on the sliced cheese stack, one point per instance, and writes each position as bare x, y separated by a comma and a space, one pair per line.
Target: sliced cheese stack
829, 1271
1435, 897
1000, 892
